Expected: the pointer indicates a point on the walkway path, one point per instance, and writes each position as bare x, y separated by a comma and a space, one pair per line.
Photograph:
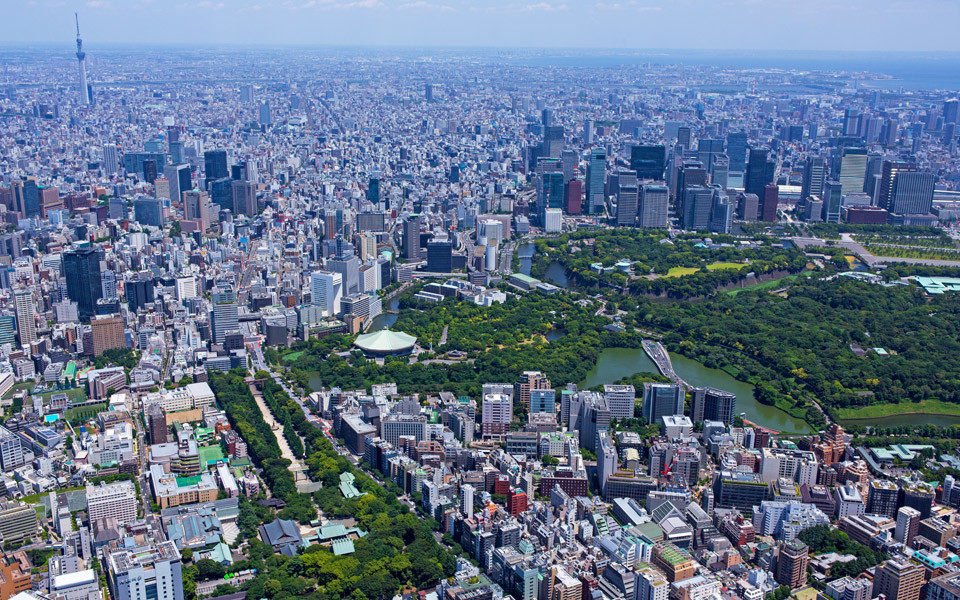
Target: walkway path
297, 466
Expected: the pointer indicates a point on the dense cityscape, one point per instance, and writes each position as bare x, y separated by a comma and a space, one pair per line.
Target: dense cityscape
466, 324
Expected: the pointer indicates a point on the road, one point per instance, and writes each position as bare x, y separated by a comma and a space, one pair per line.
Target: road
660, 357
847, 243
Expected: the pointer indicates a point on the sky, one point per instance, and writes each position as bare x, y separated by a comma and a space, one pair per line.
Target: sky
824, 25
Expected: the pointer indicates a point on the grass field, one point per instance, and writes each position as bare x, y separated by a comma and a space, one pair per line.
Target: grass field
717, 266
83, 413
930, 407
766, 285
292, 356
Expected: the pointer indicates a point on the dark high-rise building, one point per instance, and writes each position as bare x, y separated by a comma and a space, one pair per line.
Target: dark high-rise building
832, 199
81, 267
951, 111
596, 174
148, 211
221, 193
551, 194
440, 256
648, 161
373, 191
697, 206
888, 172
157, 423
31, 199
760, 172
882, 498
139, 292
572, 195
768, 206
150, 170
737, 151
215, 165
912, 194
708, 151
411, 238
814, 176
711, 404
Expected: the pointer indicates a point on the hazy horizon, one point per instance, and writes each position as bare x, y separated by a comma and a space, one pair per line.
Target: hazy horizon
891, 26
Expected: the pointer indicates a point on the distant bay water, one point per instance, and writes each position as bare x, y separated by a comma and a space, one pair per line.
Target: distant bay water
909, 70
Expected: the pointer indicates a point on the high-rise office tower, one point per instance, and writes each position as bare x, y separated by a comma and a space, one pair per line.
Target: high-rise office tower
721, 212
373, 190
81, 268
550, 194
82, 60
226, 316
853, 170
912, 194
662, 400
648, 161
814, 176
654, 206
265, 117
548, 117
760, 172
851, 122
888, 173
221, 193
215, 165
26, 325
708, 150
180, 180
111, 162
792, 564
697, 207
411, 238
244, 197
768, 205
326, 291
898, 579
711, 404
588, 132
737, 151
690, 173
596, 177
627, 199
685, 137
720, 171
832, 199
553, 141
951, 111
440, 256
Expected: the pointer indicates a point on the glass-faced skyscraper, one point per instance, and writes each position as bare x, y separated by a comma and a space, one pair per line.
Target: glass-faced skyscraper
81, 267
596, 169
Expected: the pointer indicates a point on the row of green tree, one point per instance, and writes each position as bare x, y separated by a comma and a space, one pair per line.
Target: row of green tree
822, 539
799, 347
503, 341
577, 252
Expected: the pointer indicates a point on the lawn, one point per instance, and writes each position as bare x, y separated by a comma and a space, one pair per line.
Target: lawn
292, 356
79, 414
717, 266
766, 285
928, 407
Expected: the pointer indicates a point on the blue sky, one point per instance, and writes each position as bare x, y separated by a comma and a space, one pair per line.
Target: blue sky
896, 25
